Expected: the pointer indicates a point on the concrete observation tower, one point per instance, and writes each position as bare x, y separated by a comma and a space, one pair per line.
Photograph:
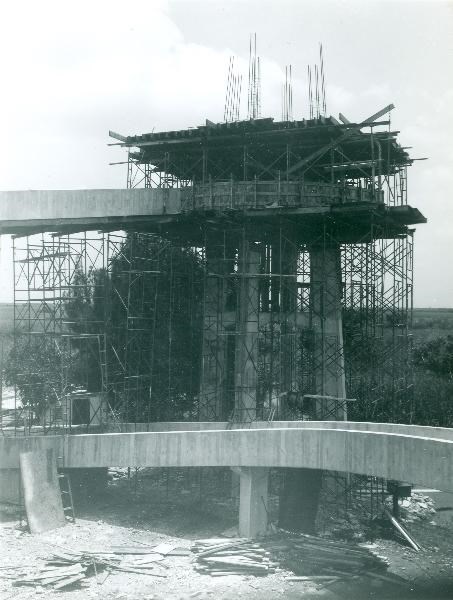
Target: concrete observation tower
251, 271
285, 248
304, 229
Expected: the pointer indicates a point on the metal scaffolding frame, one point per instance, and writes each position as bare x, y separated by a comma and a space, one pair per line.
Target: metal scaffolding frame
280, 333
285, 317
52, 275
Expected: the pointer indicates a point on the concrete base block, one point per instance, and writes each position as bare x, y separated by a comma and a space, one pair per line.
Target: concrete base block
9, 485
254, 483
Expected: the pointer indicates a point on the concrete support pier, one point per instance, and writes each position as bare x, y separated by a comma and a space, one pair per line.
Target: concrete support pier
214, 403
327, 323
247, 330
253, 497
299, 499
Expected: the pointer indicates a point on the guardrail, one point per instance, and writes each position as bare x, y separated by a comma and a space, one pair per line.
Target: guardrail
240, 195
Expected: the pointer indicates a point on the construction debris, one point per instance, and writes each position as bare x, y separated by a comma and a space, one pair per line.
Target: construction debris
417, 507
67, 567
311, 555
402, 530
311, 558
225, 557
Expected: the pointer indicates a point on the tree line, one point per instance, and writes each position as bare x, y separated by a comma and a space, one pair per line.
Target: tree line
136, 333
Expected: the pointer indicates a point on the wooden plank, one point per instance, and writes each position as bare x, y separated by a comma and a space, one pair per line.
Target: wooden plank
65, 572
139, 571
179, 552
134, 550
151, 558
312, 578
68, 581
164, 548
42, 496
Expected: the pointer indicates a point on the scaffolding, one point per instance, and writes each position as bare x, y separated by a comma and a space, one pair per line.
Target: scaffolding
290, 276
57, 360
254, 310
282, 290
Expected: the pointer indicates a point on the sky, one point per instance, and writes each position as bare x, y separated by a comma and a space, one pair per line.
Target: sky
73, 70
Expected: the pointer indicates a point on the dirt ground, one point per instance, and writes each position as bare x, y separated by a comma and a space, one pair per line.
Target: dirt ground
154, 507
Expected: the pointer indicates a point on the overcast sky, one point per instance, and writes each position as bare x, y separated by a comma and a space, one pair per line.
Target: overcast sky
73, 70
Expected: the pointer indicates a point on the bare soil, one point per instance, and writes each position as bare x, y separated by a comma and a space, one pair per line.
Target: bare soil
157, 506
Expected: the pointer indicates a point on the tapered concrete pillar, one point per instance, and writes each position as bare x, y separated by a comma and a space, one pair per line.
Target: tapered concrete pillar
326, 315
215, 322
289, 323
253, 496
246, 360
300, 496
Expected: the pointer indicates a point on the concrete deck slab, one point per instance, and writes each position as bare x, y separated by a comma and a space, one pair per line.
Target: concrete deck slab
47, 210
410, 456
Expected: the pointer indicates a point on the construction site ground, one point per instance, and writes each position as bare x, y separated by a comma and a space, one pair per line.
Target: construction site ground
157, 506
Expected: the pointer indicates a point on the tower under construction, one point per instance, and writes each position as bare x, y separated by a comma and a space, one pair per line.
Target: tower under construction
275, 282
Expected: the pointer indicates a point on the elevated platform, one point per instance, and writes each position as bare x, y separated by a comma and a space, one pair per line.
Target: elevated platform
176, 211
420, 455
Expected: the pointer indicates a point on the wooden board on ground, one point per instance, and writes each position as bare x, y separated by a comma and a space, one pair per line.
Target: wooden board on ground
42, 496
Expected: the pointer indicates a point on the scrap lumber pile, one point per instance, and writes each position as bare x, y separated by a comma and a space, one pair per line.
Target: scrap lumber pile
69, 567
318, 556
327, 562
309, 558
54, 576
219, 556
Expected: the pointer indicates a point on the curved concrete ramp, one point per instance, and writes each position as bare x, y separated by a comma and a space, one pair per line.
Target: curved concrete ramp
441, 433
415, 458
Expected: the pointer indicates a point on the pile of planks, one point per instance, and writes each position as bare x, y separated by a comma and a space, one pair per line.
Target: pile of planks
321, 556
310, 558
326, 562
54, 576
70, 567
218, 556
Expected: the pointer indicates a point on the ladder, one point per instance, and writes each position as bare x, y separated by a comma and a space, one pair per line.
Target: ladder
66, 492
66, 496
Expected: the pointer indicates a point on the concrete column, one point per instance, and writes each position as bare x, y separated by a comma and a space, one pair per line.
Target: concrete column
326, 314
300, 497
9, 485
213, 373
289, 323
246, 359
253, 501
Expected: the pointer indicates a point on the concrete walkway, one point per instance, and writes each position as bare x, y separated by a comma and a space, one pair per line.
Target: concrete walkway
49, 210
420, 455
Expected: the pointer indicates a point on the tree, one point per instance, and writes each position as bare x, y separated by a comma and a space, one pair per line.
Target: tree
38, 366
134, 332
85, 309
154, 329
436, 356
433, 362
